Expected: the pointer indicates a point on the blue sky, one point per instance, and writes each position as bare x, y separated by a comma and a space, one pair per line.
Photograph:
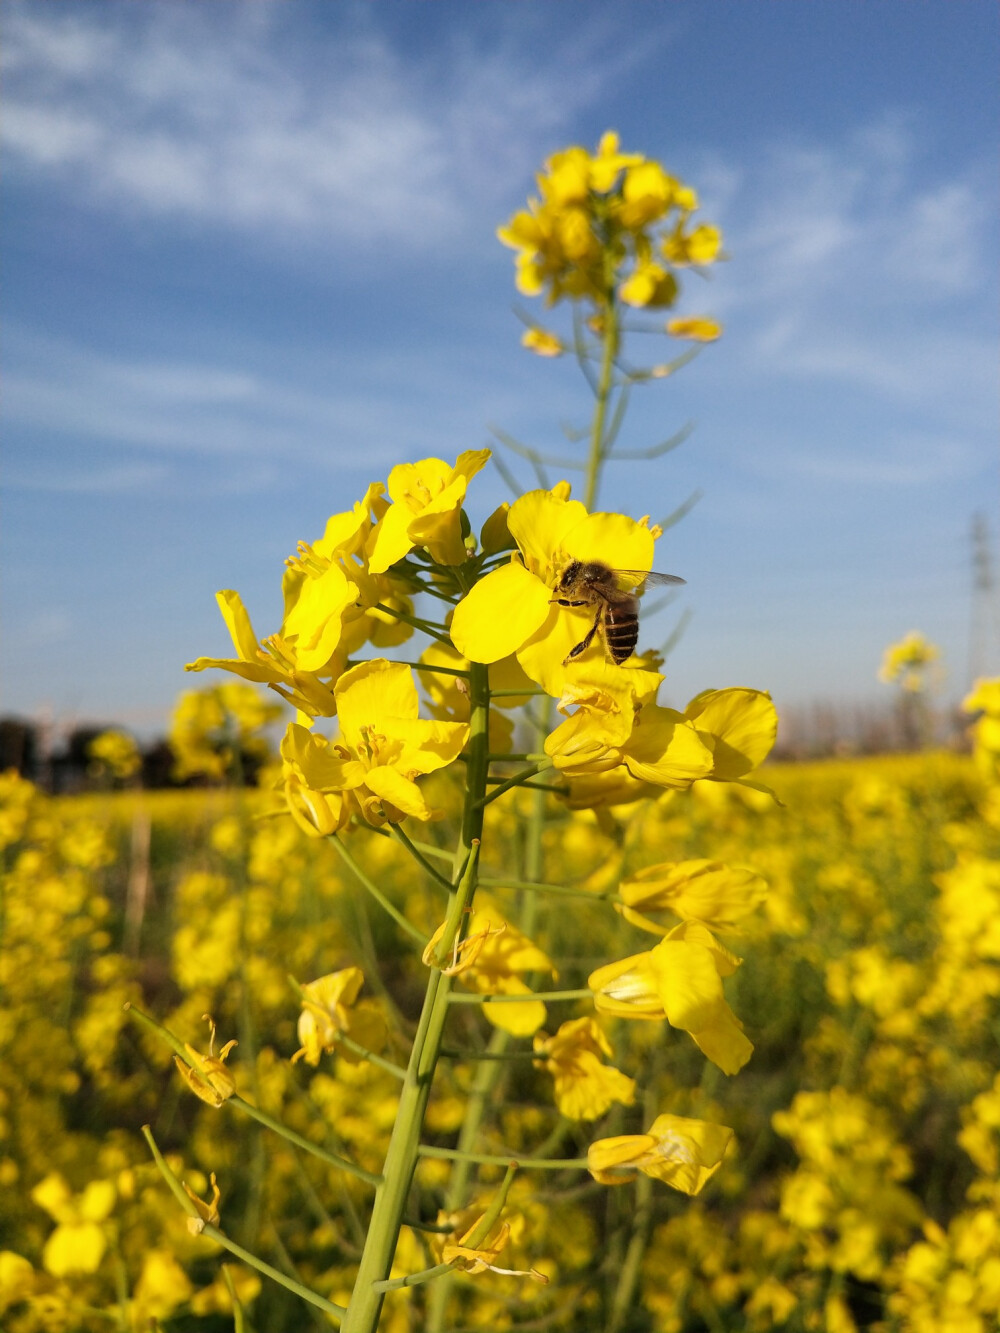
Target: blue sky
251, 264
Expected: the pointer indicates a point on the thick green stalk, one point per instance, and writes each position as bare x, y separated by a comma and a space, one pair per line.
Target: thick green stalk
402, 1155
490, 1072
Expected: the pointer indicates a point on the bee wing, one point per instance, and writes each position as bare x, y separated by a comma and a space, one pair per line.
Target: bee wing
635, 581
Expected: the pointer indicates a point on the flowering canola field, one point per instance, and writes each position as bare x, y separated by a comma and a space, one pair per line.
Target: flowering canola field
862, 1183
514, 998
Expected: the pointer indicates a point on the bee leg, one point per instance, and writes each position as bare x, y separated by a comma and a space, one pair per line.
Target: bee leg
586, 641
565, 601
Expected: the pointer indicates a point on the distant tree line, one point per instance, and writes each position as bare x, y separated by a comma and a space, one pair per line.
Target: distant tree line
66, 766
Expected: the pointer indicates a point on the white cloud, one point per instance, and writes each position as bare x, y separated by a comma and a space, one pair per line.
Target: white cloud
855, 264
892, 459
114, 480
250, 423
201, 113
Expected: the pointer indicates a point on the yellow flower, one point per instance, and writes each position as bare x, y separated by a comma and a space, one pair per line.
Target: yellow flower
117, 752
591, 234
681, 1152
722, 735
650, 285
702, 245
501, 953
330, 1009
426, 510
479, 1258
512, 609
542, 342
906, 662
584, 1086
698, 890
79, 1241
696, 327
17, 1279
207, 1075
208, 1210
680, 980
162, 1287
369, 769
330, 598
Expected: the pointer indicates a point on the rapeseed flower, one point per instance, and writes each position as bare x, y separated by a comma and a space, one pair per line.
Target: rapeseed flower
681, 1152
722, 735
513, 609
584, 1085
697, 890
116, 753
330, 1009
426, 511
907, 662
79, 1241
369, 769
499, 955
207, 1075
593, 234
679, 980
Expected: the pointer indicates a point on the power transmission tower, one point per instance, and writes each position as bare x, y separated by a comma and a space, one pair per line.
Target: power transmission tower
984, 624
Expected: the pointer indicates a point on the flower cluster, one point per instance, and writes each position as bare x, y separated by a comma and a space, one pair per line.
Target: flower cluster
608, 225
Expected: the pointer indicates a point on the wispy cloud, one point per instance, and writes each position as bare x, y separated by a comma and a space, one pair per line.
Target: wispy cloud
246, 422
859, 266
202, 113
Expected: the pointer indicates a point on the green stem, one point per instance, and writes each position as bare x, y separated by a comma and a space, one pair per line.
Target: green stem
332, 1159
211, 1232
378, 895
488, 1076
425, 626
492, 1159
562, 890
403, 1152
546, 996
420, 859
428, 848
412, 1279
516, 781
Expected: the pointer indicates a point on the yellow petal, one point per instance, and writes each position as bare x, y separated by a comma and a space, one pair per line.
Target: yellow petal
664, 748
724, 1042
237, 620
627, 988
740, 726
687, 1153
697, 328
520, 1020
539, 522
499, 614
372, 693
700, 890
687, 981
390, 786
74, 1249
315, 620
392, 539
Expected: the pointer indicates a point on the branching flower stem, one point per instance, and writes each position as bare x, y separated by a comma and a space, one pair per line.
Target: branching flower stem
419, 857
213, 1233
254, 1112
401, 921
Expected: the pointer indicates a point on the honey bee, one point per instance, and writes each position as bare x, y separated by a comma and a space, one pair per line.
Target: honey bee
615, 594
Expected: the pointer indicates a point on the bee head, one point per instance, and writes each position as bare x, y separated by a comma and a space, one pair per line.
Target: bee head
570, 575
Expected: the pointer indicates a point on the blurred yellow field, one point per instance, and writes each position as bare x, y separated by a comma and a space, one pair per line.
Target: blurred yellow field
861, 1178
